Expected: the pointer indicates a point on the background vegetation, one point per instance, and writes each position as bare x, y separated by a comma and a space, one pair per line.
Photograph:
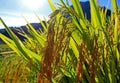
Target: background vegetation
72, 49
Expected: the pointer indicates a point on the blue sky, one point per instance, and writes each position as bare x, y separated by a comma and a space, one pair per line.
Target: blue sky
11, 10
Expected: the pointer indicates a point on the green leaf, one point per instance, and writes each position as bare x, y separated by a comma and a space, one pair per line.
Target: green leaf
74, 48
77, 6
51, 5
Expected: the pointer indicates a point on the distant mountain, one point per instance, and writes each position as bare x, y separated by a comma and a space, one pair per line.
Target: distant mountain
86, 10
37, 26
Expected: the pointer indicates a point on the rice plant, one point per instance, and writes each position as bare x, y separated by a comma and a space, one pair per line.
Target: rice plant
72, 49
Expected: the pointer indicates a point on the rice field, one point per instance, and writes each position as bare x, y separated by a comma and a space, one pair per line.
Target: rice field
69, 50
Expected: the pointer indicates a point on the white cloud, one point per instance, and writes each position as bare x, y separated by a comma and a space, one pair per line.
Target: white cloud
34, 4
13, 21
16, 19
